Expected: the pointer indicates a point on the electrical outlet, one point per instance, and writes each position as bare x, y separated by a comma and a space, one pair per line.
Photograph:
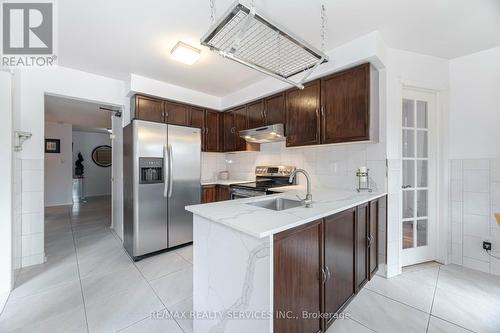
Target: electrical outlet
487, 246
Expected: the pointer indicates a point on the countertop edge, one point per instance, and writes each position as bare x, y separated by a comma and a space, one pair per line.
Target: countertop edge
290, 225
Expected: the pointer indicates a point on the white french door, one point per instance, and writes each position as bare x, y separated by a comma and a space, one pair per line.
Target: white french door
418, 181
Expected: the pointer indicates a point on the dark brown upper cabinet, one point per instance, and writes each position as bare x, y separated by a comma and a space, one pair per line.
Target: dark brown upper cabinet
274, 109
362, 233
229, 130
176, 113
150, 109
255, 112
297, 278
345, 105
339, 261
233, 122
212, 131
302, 115
197, 119
240, 123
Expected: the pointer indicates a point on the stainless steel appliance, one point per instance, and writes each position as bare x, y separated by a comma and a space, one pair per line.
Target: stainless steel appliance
161, 172
266, 178
265, 134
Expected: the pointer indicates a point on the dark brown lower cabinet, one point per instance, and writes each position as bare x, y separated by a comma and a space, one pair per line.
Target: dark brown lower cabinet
208, 193
373, 237
297, 284
214, 193
339, 231
362, 229
320, 266
223, 193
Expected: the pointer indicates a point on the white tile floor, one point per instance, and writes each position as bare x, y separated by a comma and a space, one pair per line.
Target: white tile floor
89, 284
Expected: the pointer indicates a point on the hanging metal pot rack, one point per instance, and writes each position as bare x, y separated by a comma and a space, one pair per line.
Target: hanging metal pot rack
246, 37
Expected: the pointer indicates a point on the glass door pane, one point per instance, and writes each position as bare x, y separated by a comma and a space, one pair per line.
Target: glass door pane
415, 171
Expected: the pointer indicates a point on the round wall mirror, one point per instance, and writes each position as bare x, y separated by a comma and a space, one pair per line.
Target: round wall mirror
101, 156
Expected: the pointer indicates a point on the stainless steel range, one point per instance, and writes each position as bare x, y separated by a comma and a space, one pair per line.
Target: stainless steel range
266, 178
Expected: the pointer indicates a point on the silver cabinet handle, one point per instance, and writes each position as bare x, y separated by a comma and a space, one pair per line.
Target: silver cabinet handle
370, 240
406, 186
166, 165
170, 170
323, 275
328, 274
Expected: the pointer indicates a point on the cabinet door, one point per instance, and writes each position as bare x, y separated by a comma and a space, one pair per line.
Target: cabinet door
255, 113
223, 193
149, 109
345, 105
373, 237
302, 115
297, 287
274, 109
339, 260
212, 131
177, 114
197, 119
240, 123
229, 131
362, 229
208, 194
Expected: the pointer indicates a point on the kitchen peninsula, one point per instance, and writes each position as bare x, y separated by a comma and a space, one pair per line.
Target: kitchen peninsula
252, 260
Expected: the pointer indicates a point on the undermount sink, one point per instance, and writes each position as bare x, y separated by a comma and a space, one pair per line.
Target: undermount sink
277, 204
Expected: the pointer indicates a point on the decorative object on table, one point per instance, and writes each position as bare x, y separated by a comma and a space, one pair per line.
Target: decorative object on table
223, 175
53, 146
79, 166
101, 156
363, 179
19, 138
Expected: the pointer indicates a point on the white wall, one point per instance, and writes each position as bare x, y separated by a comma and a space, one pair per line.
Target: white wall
144, 85
97, 179
475, 105
57, 167
6, 184
474, 147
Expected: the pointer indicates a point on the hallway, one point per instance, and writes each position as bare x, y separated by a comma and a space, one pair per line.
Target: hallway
90, 284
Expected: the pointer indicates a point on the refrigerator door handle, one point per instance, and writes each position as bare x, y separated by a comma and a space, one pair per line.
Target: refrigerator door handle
170, 170
165, 173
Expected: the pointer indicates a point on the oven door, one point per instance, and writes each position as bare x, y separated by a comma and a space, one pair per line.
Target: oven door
237, 193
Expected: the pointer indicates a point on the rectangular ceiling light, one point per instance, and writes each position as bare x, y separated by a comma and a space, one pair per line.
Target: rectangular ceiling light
185, 53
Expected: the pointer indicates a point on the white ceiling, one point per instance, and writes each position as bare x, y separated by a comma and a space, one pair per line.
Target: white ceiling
80, 113
118, 37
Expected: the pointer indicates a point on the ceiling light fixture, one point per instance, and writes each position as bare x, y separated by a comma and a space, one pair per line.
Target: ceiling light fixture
185, 53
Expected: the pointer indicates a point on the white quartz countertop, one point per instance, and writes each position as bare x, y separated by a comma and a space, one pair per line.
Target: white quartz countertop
224, 182
261, 222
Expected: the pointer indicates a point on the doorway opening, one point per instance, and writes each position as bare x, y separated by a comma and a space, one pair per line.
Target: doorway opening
78, 186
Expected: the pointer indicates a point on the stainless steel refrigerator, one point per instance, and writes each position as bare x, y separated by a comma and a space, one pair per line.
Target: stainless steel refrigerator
161, 172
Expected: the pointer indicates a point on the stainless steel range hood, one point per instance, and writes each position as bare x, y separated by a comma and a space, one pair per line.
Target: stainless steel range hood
265, 134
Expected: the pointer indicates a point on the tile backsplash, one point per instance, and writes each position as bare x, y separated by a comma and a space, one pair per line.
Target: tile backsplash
328, 165
474, 199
